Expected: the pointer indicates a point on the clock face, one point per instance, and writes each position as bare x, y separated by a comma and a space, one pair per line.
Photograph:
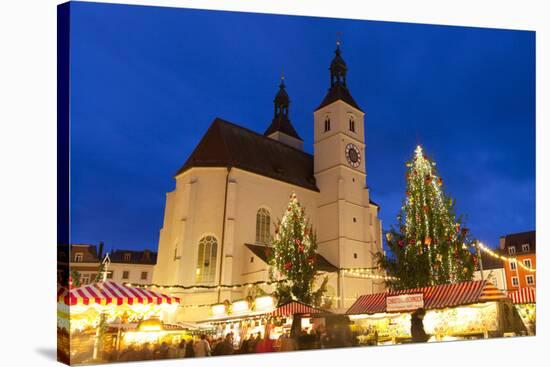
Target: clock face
353, 155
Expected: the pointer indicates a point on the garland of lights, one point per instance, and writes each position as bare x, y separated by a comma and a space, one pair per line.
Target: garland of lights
195, 287
504, 258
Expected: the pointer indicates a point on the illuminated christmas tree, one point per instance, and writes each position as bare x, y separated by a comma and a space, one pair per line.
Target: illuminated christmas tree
293, 257
430, 246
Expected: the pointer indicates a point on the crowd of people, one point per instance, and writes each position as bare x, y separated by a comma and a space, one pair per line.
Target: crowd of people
205, 346
300, 339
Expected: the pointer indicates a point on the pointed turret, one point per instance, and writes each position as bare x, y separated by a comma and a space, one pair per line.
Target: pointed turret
338, 86
281, 128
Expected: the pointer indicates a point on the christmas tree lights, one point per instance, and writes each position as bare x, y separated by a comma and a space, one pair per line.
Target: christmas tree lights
293, 257
430, 246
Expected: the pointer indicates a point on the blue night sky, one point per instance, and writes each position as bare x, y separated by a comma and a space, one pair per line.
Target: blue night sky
147, 82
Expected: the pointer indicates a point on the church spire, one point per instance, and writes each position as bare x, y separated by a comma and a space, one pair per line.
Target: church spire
338, 89
338, 68
281, 128
281, 101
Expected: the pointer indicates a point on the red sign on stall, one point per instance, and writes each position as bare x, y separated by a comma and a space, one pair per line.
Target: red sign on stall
404, 302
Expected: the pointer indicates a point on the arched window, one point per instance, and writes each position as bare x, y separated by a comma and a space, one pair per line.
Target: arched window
263, 223
206, 261
327, 123
351, 123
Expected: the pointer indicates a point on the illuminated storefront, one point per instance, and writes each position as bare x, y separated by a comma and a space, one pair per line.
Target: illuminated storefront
453, 311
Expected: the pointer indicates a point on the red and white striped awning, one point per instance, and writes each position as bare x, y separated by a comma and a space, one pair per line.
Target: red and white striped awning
109, 292
295, 307
439, 296
524, 295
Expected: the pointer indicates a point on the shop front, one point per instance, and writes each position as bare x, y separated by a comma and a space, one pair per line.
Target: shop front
524, 301
94, 319
254, 318
467, 310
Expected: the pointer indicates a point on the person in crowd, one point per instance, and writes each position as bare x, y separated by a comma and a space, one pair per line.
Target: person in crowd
417, 326
202, 347
163, 351
180, 349
265, 345
287, 343
190, 349
224, 347
145, 353
245, 346
130, 354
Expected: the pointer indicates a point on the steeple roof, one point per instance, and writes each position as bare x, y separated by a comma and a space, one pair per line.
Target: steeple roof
280, 121
338, 86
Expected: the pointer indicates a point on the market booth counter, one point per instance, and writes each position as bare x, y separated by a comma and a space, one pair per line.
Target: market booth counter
524, 301
466, 310
96, 318
249, 317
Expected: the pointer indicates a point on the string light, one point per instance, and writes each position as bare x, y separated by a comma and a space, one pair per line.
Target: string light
367, 273
504, 258
195, 287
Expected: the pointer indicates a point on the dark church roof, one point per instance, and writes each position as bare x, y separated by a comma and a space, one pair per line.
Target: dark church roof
336, 93
283, 125
228, 145
263, 251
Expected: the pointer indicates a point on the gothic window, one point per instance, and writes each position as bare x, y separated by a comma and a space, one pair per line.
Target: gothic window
351, 123
206, 260
327, 123
263, 223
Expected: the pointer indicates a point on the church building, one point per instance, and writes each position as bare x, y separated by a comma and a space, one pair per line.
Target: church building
221, 215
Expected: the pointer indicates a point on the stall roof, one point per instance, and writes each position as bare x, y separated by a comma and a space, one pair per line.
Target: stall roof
109, 292
524, 295
438, 296
295, 307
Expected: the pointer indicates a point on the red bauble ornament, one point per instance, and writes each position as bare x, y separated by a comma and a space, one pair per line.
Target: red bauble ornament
297, 241
401, 243
288, 266
301, 248
411, 242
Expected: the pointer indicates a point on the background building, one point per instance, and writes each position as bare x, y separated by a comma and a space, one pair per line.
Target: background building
134, 267
522, 246
126, 266
84, 258
493, 270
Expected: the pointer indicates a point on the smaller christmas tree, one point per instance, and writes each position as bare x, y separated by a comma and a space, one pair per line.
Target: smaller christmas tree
293, 256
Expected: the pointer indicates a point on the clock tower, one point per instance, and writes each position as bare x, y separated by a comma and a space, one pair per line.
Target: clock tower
348, 231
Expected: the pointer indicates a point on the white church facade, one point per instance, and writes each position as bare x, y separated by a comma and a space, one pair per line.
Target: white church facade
236, 184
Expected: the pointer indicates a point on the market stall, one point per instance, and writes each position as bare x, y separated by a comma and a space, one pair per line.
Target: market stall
244, 318
524, 301
465, 310
86, 313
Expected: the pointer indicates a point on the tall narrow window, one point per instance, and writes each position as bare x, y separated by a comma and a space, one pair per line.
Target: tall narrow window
263, 223
352, 124
206, 260
327, 123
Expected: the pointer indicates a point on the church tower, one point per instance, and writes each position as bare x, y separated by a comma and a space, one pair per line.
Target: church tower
348, 230
281, 128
